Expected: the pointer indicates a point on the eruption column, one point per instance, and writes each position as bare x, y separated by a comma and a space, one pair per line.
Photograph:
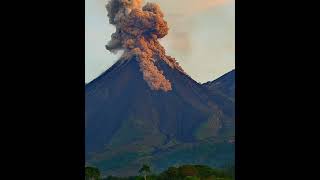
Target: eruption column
137, 33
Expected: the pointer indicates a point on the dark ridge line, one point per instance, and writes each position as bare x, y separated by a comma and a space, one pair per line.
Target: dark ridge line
116, 66
209, 82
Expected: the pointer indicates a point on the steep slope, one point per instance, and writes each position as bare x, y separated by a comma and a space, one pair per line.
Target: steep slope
225, 85
127, 123
222, 91
145, 109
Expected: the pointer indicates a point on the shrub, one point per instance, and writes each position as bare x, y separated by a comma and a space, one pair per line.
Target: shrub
188, 170
92, 173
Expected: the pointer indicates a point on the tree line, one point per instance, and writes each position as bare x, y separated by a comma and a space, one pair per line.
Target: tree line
184, 172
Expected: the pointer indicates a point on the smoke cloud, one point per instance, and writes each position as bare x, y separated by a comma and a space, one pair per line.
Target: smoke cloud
137, 32
180, 14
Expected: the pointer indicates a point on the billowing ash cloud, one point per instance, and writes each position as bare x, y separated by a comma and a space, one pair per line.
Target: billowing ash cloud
137, 33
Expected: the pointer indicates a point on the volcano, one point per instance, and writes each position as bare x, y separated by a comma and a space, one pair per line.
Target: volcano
128, 123
145, 109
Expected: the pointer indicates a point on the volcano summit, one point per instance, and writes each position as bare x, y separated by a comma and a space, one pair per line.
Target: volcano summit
145, 108
137, 33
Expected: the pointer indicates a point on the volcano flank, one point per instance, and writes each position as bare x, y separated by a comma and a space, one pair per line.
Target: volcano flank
128, 123
146, 109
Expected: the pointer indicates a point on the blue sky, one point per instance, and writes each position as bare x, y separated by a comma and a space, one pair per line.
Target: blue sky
201, 37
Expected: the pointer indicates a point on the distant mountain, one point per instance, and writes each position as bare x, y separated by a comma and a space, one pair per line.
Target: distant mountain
225, 85
128, 124
222, 92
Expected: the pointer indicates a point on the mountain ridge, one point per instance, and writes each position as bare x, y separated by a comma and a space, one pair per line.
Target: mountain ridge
225, 83
128, 123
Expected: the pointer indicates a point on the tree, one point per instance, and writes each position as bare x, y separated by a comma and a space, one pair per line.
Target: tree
92, 173
172, 172
145, 169
188, 170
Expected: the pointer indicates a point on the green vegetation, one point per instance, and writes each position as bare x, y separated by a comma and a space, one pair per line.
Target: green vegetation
145, 170
213, 154
92, 173
184, 172
126, 160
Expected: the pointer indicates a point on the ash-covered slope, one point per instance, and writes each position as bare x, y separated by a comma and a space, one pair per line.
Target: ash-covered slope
124, 117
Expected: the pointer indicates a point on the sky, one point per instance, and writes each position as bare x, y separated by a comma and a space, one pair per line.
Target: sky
201, 37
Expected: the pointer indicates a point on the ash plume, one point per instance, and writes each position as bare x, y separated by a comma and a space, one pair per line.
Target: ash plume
137, 32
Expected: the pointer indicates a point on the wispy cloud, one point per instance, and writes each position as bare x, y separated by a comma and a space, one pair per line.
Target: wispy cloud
189, 7
179, 14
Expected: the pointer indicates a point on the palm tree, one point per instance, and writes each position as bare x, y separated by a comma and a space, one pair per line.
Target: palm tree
145, 169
